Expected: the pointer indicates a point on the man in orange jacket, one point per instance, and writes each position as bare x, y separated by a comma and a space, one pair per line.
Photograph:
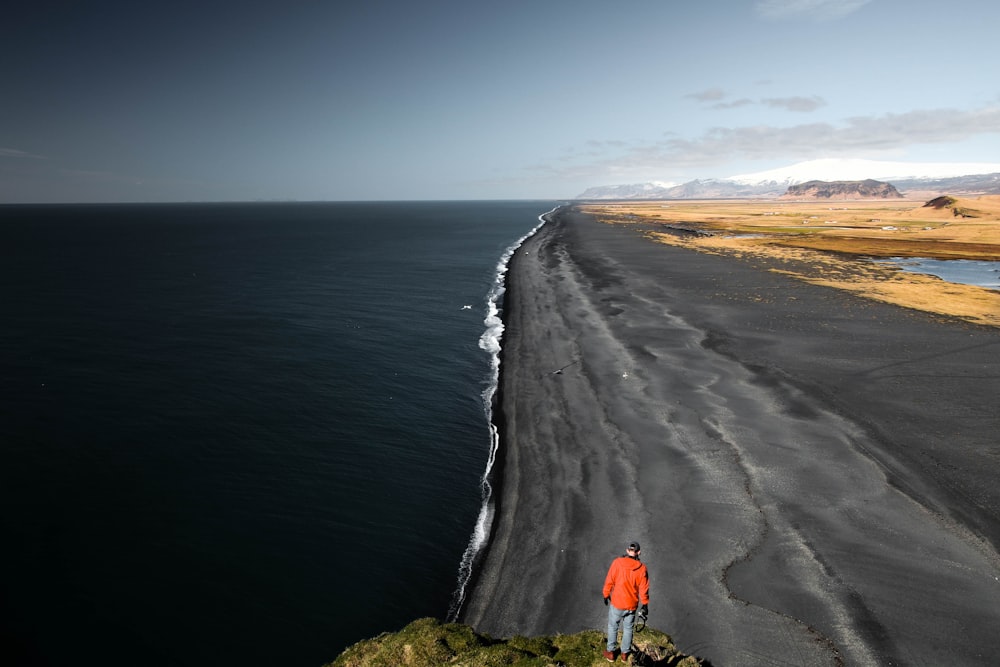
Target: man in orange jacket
625, 587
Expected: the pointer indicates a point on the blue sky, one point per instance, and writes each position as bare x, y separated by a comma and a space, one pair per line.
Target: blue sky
315, 100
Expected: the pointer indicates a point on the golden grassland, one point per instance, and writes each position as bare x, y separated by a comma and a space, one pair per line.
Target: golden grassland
833, 243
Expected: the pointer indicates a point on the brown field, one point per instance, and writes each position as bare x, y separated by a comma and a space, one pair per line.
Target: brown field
833, 242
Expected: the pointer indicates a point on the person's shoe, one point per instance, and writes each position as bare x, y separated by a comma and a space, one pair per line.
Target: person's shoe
624, 657
609, 656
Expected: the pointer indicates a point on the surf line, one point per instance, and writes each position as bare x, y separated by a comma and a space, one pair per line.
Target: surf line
490, 343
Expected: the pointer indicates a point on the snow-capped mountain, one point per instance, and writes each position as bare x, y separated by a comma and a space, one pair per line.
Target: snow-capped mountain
632, 191
958, 177
711, 188
833, 169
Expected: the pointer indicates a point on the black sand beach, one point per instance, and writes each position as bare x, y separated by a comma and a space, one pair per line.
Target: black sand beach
812, 476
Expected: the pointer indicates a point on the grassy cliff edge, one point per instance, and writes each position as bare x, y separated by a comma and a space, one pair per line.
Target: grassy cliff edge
427, 641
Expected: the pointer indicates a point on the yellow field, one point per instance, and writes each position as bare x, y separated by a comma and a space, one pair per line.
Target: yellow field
830, 242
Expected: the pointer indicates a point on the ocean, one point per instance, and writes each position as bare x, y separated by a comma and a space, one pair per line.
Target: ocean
242, 433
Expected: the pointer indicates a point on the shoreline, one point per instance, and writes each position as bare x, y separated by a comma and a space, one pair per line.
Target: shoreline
494, 478
491, 479
702, 388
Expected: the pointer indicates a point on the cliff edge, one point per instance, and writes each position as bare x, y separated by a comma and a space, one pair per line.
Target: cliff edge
427, 642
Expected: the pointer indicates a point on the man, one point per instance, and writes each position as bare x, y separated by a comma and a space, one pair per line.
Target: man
625, 587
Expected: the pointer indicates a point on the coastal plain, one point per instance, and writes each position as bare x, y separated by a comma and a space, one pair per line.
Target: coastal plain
811, 472
833, 242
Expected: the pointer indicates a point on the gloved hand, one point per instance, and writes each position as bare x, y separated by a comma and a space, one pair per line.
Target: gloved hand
644, 610
606, 600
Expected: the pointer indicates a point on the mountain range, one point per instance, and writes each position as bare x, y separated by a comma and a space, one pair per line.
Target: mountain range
923, 177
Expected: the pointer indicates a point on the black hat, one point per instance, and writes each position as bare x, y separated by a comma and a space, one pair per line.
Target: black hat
634, 546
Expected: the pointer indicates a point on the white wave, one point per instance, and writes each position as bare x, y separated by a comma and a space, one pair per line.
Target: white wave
489, 341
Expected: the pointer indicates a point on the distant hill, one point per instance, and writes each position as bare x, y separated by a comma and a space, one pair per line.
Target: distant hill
866, 189
986, 184
986, 207
917, 179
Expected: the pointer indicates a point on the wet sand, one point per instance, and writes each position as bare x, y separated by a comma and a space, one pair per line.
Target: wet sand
812, 476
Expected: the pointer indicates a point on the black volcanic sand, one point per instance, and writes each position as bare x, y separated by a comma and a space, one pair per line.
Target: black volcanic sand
812, 476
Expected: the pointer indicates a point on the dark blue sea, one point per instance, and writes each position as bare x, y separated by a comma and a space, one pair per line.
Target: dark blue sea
242, 434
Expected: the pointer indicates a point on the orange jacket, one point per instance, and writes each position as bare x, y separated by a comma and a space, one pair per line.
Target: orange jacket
627, 583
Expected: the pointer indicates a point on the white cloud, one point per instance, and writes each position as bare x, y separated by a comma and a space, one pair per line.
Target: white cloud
891, 131
734, 104
710, 95
14, 153
803, 104
797, 103
868, 135
821, 10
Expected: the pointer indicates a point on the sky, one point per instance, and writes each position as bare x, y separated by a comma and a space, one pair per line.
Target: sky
442, 99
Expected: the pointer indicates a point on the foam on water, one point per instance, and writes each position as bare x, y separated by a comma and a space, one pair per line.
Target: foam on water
490, 342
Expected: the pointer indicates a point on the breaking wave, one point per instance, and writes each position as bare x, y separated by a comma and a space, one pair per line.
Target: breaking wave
489, 342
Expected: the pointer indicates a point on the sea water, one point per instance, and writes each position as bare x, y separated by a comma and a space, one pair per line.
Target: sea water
243, 433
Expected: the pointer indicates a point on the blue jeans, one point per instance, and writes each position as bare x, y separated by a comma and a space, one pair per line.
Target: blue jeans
625, 618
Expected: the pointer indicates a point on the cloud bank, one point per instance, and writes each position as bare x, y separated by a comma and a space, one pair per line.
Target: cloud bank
817, 10
797, 103
855, 136
891, 131
15, 153
800, 104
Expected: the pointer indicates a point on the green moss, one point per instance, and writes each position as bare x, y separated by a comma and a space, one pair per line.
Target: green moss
500, 655
460, 638
581, 648
422, 642
428, 642
534, 645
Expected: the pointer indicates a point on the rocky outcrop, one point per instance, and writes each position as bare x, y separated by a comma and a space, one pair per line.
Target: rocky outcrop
958, 208
867, 189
